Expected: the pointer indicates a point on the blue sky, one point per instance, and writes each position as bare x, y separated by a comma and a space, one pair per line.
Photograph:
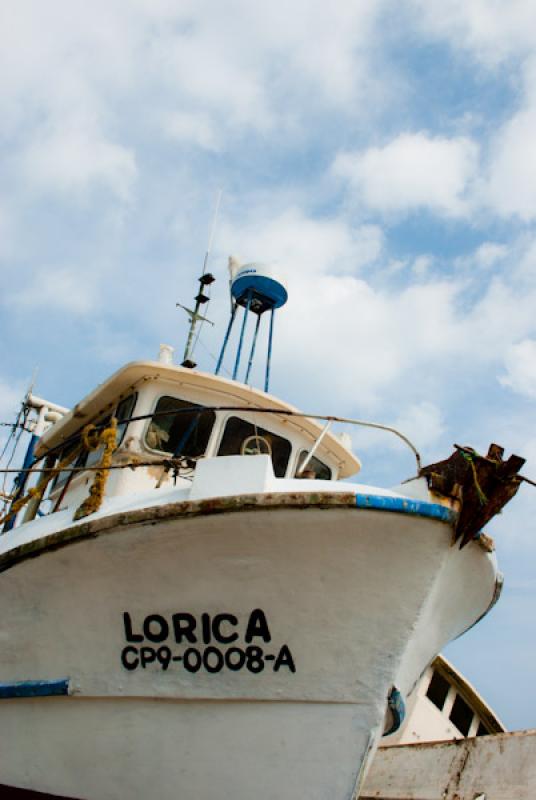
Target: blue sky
382, 154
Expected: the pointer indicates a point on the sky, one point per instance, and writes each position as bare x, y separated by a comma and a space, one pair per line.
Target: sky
381, 154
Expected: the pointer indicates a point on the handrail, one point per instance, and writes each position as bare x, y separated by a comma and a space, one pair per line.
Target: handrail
252, 409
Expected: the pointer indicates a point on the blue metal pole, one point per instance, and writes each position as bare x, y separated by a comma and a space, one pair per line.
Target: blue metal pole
251, 355
268, 360
185, 436
239, 351
22, 478
227, 334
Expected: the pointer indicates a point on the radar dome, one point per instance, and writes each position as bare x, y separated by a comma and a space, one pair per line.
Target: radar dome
257, 284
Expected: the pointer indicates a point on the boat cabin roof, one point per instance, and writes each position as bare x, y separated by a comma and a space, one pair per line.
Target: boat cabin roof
226, 392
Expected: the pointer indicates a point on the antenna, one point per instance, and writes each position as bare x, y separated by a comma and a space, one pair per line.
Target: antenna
212, 229
253, 287
205, 280
200, 299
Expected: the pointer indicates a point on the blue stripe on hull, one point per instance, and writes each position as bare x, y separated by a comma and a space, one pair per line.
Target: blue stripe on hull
34, 689
403, 505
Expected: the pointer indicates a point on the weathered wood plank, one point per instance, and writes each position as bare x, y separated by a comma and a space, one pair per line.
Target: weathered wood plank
481, 484
498, 767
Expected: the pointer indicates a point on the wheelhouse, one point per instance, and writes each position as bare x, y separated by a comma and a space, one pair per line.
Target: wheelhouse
169, 417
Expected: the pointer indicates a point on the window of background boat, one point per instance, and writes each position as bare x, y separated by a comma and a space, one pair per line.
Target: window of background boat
321, 470
461, 715
438, 689
238, 430
184, 434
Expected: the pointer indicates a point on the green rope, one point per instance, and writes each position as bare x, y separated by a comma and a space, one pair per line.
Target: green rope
481, 496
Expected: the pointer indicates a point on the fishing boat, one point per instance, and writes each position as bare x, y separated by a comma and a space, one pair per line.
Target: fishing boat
197, 600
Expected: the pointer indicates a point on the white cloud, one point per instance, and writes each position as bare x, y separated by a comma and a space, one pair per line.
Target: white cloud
503, 314
511, 187
192, 128
243, 66
282, 52
57, 288
369, 341
361, 338
413, 171
203, 67
489, 254
520, 363
487, 257
11, 394
78, 157
422, 422
7, 232
497, 33
326, 48
421, 266
303, 246
523, 257
112, 346
365, 341
492, 30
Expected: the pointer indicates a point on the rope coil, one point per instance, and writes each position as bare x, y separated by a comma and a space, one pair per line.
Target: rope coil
37, 492
92, 441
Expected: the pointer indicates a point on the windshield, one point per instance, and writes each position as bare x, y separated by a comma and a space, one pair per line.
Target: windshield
243, 438
185, 433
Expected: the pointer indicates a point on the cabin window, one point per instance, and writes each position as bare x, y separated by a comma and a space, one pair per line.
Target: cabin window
77, 461
243, 438
179, 427
93, 457
438, 689
461, 715
124, 412
321, 471
84, 459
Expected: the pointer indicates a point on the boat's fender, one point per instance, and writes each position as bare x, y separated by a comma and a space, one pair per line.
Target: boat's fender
396, 710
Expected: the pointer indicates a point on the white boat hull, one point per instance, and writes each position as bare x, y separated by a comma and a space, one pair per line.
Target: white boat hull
341, 603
